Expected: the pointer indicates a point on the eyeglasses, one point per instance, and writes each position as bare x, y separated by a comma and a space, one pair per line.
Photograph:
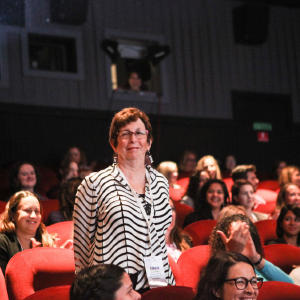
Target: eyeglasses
126, 134
241, 282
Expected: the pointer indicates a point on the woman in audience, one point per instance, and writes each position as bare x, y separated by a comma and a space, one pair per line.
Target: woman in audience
212, 197
237, 233
288, 194
21, 227
279, 165
176, 242
135, 82
288, 226
243, 194
103, 282
67, 195
187, 164
24, 176
228, 276
209, 164
231, 210
196, 182
170, 171
289, 174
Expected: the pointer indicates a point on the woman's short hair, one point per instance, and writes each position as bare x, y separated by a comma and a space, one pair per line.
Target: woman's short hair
8, 226
216, 272
124, 117
99, 282
280, 202
224, 224
201, 203
236, 187
286, 174
167, 168
200, 165
14, 173
284, 210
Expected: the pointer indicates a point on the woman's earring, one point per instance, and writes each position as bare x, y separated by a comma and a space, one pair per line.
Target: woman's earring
150, 157
115, 158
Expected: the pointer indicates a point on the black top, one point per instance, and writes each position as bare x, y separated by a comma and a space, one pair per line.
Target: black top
194, 216
278, 241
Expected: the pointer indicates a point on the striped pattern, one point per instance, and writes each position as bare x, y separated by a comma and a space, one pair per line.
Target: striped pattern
110, 228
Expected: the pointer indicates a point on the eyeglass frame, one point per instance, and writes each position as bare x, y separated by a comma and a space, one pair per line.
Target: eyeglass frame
259, 280
134, 132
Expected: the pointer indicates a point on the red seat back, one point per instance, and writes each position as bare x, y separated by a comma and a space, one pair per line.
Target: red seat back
176, 194
2, 206
181, 211
229, 183
36, 269
175, 271
183, 182
276, 290
3, 291
200, 231
63, 229
191, 262
272, 185
48, 207
169, 293
266, 230
283, 256
52, 293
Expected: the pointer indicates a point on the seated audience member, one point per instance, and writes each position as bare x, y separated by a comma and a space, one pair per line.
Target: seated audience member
209, 164
24, 176
176, 242
67, 195
243, 194
21, 227
196, 182
248, 172
288, 194
279, 165
187, 164
288, 226
289, 174
213, 196
135, 82
237, 233
228, 276
229, 165
170, 171
103, 282
231, 210
69, 169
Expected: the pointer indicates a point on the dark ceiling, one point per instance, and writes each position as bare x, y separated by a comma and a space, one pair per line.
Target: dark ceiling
286, 3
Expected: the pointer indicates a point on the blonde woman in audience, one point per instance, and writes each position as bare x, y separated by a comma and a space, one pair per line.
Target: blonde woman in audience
209, 164
22, 227
176, 242
170, 171
289, 174
231, 210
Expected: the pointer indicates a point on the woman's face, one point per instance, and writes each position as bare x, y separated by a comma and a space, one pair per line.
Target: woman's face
75, 155
173, 216
295, 178
27, 177
292, 195
210, 167
230, 162
126, 291
215, 195
190, 163
291, 224
203, 178
27, 218
246, 196
73, 171
229, 290
135, 82
132, 148
173, 177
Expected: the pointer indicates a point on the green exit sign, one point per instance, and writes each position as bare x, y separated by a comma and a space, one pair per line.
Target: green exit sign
262, 126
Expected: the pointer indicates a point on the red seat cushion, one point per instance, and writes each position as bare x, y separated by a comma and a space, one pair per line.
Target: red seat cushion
52, 293
169, 293
279, 291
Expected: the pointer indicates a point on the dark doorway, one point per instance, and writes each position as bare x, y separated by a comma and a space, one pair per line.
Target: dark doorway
275, 109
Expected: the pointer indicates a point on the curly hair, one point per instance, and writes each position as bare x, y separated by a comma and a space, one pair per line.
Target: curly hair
200, 165
14, 173
216, 273
215, 240
286, 175
280, 202
9, 227
124, 117
99, 282
284, 210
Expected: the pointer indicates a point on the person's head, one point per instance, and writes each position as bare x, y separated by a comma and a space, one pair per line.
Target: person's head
188, 161
288, 222
69, 169
231, 210
289, 174
224, 225
288, 194
247, 172
228, 276
67, 195
130, 133
24, 176
209, 164
76, 154
243, 193
212, 195
169, 170
230, 162
103, 282
135, 81
279, 165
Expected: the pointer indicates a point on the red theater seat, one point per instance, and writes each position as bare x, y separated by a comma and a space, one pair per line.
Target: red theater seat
52, 293
36, 269
181, 211
272, 185
169, 293
48, 207
176, 194
63, 229
266, 230
275, 290
229, 183
3, 291
183, 182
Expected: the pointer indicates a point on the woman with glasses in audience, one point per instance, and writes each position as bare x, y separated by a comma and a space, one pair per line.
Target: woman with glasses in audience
121, 213
228, 276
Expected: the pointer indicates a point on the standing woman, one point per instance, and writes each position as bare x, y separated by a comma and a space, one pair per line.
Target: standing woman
122, 213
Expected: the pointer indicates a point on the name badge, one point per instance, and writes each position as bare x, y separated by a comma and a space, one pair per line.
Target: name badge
155, 272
